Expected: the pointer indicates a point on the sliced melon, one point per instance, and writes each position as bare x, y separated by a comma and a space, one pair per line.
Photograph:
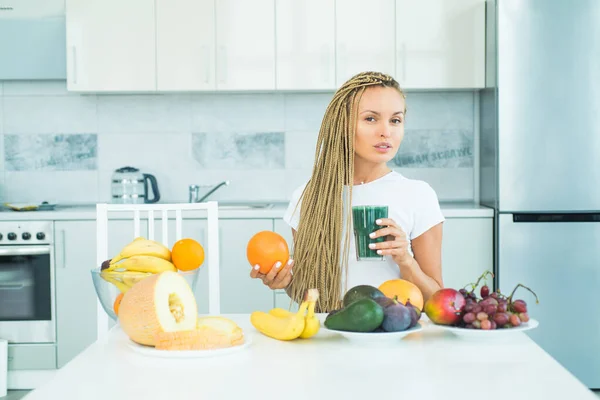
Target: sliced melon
160, 303
210, 333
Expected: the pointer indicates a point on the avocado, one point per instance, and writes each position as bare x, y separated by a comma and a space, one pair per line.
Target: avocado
363, 315
361, 292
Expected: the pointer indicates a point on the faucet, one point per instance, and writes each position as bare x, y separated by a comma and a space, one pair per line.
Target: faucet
193, 189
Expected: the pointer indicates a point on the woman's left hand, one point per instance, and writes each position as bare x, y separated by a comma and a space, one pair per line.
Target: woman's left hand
397, 246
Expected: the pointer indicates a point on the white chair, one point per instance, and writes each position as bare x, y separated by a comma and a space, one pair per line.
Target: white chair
212, 245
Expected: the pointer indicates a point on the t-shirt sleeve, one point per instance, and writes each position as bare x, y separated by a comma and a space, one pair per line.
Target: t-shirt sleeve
292, 214
427, 212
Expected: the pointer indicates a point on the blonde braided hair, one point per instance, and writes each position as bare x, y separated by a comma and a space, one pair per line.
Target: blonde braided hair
323, 205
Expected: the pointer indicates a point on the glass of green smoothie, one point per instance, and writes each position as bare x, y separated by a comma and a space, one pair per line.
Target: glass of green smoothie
364, 218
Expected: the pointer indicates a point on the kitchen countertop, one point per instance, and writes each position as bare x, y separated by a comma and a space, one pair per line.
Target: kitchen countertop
430, 364
228, 211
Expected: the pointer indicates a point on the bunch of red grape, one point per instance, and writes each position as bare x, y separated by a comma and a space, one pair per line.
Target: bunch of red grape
491, 311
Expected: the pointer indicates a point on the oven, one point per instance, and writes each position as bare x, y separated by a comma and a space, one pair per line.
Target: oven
27, 286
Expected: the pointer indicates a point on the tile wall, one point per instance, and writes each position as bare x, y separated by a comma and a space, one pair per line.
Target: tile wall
61, 147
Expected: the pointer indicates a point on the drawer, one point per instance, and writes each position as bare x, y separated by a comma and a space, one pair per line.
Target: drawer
31, 356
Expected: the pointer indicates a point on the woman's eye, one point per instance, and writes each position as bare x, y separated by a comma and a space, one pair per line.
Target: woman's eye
370, 119
397, 121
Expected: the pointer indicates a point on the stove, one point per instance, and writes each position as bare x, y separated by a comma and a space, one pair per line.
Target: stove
14, 233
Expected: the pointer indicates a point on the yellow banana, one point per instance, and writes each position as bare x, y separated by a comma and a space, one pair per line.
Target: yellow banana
141, 247
110, 278
285, 325
145, 263
312, 324
131, 277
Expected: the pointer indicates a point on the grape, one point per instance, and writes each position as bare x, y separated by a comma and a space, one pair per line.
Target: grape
469, 326
469, 317
477, 324
490, 301
494, 295
477, 309
463, 292
494, 325
524, 317
502, 308
486, 324
514, 320
519, 306
482, 316
491, 309
501, 319
485, 291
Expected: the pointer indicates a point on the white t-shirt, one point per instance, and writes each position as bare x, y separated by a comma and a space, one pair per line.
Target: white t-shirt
412, 204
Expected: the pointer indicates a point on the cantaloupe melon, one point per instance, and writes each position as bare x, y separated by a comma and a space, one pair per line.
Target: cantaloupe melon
160, 303
210, 333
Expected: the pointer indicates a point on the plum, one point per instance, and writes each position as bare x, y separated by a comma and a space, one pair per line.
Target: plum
396, 318
385, 302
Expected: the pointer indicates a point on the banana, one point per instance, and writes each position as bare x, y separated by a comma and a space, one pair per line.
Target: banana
284, 325
130, 278
145, 263
141, 247
311, 322
110, 278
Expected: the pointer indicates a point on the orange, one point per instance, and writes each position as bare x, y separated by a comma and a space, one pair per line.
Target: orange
187, 254
403, 290
117, 303
266, 248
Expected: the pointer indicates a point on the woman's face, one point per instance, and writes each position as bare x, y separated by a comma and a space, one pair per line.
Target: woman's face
380, 125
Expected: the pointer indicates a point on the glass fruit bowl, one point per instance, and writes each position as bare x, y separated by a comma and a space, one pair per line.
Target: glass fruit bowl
110, 285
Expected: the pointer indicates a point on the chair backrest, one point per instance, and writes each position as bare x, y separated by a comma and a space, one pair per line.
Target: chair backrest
140, 211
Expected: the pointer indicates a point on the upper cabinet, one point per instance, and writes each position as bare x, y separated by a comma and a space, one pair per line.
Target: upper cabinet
440, 44
185, 45
245, 44
365, 37
111, 45
305, 39
240, 45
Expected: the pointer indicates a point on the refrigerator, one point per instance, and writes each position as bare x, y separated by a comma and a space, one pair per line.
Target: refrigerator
540, 168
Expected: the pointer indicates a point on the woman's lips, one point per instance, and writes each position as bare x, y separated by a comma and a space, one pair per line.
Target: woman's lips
383, 147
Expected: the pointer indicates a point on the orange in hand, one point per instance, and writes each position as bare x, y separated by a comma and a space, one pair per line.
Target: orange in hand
266, 248
187, 254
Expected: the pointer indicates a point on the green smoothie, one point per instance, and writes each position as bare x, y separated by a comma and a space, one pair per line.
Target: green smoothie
364, 218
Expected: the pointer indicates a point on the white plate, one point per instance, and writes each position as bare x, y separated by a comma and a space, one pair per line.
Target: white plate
152, 352
489, 334
376, 337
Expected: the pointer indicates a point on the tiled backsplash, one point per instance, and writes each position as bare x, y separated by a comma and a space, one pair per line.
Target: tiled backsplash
61, 147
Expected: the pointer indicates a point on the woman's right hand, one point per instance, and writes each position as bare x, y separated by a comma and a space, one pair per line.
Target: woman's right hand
277, 277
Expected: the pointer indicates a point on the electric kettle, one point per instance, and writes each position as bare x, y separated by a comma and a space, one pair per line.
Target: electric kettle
130, 186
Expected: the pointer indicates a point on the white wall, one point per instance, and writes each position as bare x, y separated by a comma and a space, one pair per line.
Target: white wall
62, 147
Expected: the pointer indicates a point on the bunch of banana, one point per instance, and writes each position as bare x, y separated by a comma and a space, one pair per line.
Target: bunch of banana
137, 260
281, 324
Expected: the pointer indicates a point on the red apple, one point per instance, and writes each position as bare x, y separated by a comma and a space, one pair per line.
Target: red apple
444, 306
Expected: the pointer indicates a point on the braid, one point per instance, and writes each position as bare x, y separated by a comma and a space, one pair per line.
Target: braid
324, 205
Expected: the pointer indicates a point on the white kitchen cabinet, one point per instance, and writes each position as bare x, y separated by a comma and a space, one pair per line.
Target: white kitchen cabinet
305, 40
110, 45
185, 45
440, 43
75, 256
467, 250
365, 37
245, 44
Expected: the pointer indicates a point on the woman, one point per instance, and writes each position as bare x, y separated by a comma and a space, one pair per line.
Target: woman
361, 132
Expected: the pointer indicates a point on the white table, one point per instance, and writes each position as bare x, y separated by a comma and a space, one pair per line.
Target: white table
430, 364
